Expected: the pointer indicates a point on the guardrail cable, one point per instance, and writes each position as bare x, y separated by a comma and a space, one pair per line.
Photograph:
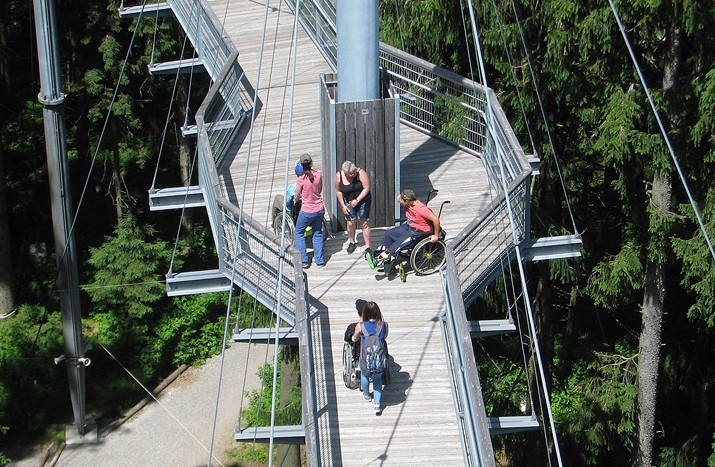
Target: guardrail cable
547, 125
520, 264
663, 131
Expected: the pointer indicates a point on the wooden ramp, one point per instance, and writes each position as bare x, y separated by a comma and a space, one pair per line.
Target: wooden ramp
419, 424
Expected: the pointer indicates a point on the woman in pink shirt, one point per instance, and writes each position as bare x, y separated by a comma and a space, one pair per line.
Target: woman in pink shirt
309, 191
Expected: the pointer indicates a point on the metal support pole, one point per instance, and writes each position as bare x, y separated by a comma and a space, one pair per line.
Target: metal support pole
52, 98
358, 31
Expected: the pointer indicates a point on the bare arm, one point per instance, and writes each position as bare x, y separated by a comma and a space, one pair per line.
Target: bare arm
435, 222
356, 334
296, 195
341, 198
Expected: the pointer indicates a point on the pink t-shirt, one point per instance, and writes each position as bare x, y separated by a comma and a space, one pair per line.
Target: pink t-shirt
311, 192
417, 216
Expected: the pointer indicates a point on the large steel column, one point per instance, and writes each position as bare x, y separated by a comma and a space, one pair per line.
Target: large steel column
358, 50
52, 98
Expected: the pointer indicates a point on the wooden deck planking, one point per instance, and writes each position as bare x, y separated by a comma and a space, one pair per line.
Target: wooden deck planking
418, 424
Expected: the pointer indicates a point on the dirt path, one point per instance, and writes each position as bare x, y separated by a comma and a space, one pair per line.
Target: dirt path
177, 430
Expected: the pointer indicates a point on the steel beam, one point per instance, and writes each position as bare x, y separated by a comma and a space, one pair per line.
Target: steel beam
490, 327
189, 65
154, 9
287, 434
267, 335
176, 198
564, 246
189, 283
506, 425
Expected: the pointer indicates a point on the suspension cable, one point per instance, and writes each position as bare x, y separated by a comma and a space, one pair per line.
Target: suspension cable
169, 113
157, 401
101, 135
547, 125
522, 274
153, 42
653, 107
516, 84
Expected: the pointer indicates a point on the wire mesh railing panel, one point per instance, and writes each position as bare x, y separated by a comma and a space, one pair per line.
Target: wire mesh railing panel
199, 24
318, 18
250, 255
480, 247
465, 383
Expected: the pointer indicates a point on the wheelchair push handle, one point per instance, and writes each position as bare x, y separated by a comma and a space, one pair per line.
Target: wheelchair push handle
433, 192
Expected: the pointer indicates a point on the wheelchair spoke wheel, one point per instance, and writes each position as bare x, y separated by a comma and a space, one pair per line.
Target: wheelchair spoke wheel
428, 257
289, 231
401, 272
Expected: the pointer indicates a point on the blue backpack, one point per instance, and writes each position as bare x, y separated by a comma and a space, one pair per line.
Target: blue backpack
373, 354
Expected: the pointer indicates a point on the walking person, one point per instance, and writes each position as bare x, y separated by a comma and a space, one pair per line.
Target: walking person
309, 191
352, 186
372, 332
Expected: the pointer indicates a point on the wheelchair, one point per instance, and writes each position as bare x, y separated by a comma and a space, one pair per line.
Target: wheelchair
281, 203
417, 253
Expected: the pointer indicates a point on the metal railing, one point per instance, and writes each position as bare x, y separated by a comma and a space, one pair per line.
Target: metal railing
205, 32
433, 100
451, 107
248, 253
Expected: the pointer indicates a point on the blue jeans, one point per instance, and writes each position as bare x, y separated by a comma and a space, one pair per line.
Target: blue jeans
314, 219
395, 237
376, 386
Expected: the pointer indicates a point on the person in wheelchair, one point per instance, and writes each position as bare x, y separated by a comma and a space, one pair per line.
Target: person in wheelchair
421, 220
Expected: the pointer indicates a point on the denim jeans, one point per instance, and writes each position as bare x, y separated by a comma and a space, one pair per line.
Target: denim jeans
314, 219
376, 386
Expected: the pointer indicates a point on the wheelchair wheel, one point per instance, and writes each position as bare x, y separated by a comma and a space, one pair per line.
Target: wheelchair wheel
428, 257
351, 375
288, 232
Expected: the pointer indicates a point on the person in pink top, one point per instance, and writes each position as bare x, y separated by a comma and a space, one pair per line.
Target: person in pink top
309, 190
420, 219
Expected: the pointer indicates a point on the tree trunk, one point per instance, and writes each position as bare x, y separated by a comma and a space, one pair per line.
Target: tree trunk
288, 455
654, 289
650, 338
117, 178
6, 298
187, 218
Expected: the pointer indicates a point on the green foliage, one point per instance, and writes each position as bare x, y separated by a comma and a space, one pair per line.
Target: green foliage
698, 271
258, 412
428, 29
616, 277
127, 272
193, 329
598, 407
28, 342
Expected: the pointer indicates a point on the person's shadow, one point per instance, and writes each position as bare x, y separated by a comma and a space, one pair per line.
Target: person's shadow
395, 392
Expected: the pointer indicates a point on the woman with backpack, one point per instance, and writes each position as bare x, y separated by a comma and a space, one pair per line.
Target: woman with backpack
372, 332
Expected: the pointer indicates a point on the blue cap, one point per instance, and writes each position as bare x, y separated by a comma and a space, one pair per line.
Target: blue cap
298, 167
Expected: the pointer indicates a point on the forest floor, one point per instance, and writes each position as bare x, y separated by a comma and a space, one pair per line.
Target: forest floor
177, 431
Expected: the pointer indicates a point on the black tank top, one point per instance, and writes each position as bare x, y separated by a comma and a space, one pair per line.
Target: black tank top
352, 190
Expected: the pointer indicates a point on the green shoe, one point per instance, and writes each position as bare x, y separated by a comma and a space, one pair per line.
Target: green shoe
370, 259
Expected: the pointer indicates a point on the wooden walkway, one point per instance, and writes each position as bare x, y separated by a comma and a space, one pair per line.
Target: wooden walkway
419, 425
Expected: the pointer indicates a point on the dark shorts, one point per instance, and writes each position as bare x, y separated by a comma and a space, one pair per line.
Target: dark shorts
361, 211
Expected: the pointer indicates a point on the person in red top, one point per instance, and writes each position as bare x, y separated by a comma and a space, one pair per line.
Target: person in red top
420, 219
